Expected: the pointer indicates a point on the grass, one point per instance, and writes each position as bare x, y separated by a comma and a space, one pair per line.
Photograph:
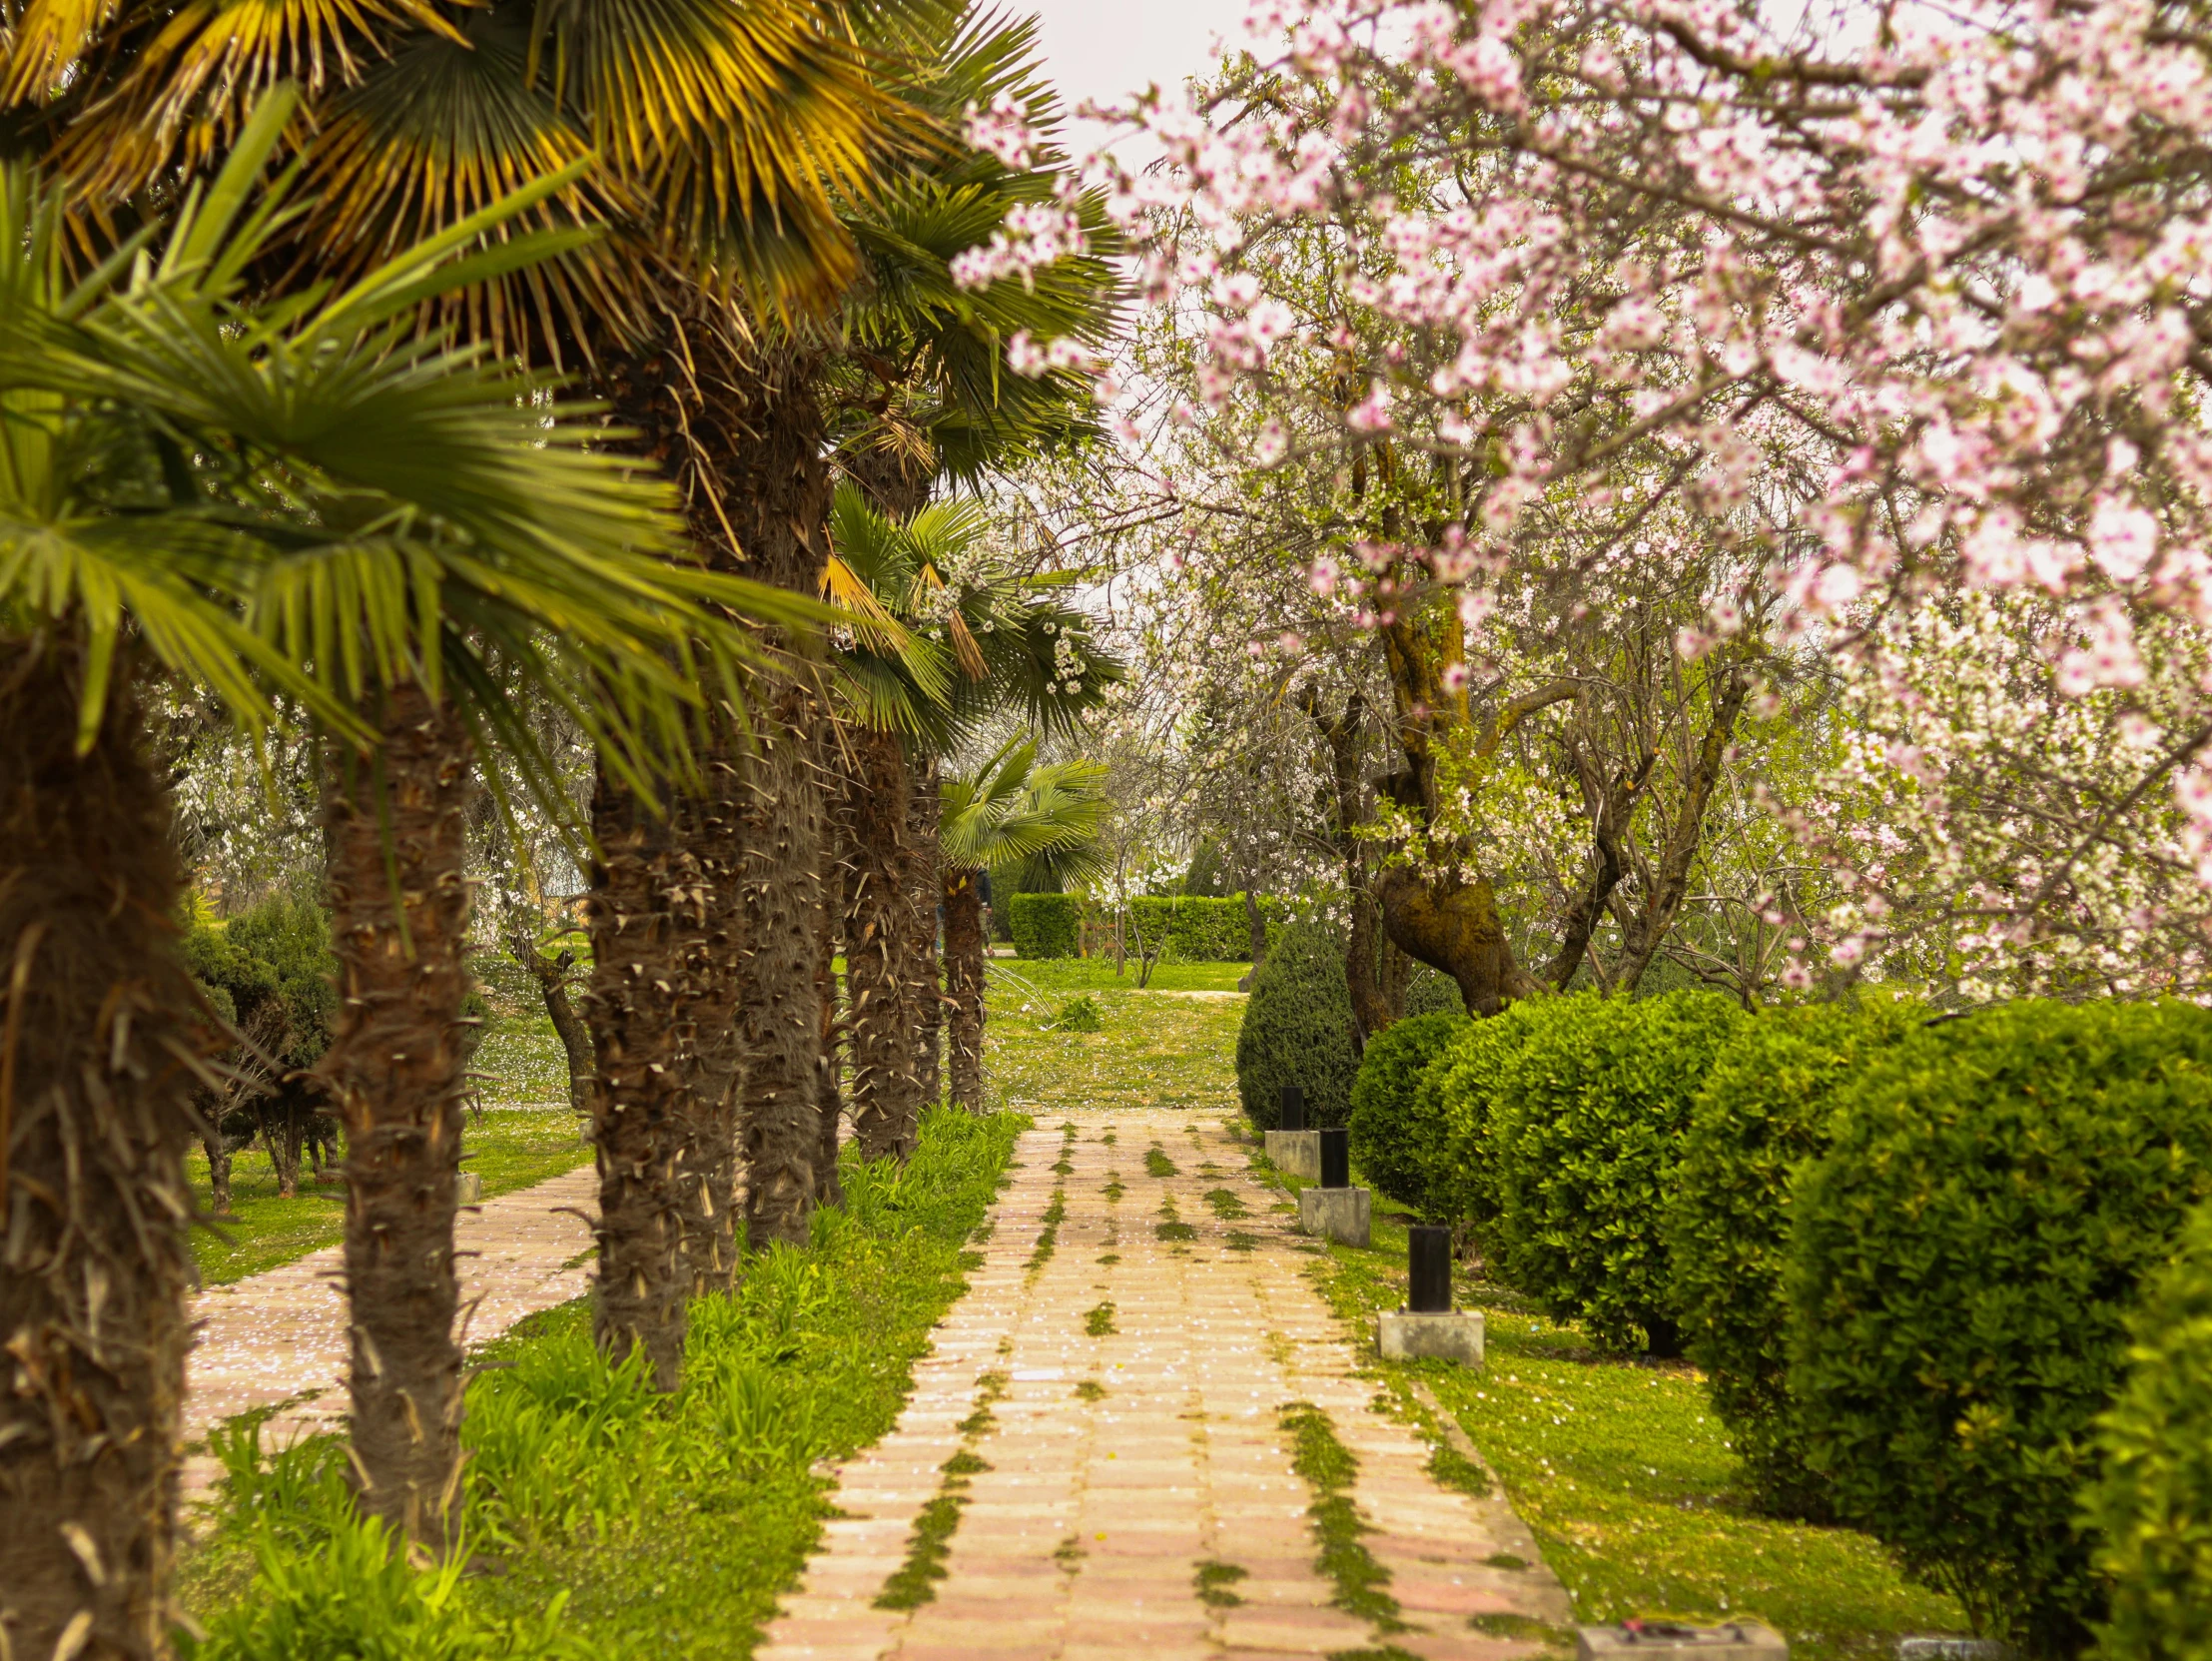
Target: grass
914, 1583
1626, 1478
625, 1524
1212, 1583
1078, 975
510, 1147
1157, 1162
1098, 1320
1152, 1050
1330, 1468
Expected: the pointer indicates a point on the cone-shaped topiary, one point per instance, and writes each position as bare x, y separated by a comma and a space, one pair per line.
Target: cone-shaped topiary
2153, 1504
1398, 1135
1298, 1030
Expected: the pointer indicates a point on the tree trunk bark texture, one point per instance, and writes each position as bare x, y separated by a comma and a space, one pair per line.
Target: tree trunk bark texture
551, 976
395, 1071
924, 1004
646, 912
99, 1034
829, 1189
964, 969
879, 929
708, 829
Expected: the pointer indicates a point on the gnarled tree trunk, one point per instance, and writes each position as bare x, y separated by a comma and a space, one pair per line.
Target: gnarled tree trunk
551, 976
399, 850
98, 1029
879, 929
964, 971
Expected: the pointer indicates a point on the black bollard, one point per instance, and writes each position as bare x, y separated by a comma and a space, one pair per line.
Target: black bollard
1429, 1271
1294, 1108
1337, 1158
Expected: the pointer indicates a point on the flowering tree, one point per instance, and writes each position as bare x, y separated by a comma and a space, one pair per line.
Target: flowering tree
1890, 303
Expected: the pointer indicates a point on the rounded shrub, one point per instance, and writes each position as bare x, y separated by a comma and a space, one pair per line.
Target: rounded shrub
1763, 1110
1457, 1088
1586, 1127
1963, 1264
1298, 1030
2152, 1505
1397, 1135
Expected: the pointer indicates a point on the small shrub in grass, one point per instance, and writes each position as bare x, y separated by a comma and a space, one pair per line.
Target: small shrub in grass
1077, 1015
1586, 1130
1397, 1135
1963, 1264
1297, 1030
2152, 1505
1763, 1112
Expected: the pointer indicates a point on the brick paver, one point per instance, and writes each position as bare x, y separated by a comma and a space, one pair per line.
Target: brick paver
281, 1335
1083, 1538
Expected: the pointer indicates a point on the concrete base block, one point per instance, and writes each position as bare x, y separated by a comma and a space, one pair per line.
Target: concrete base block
1403, 1335
1338, 1213
469, 1189
1295, 1152
1737, 1641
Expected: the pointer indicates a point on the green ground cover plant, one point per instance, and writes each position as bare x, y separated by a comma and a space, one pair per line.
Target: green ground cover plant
668, 1523
510, 1147
1624, 1475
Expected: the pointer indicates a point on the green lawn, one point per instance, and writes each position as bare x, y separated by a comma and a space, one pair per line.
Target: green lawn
1155, 1049
510, 1147
1626, 1477
1060, 977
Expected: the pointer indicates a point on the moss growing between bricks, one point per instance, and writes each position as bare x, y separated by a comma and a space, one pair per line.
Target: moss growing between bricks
1098, 1321
1226, 1204
1212, 1582
1048, 1236
1158, 1163
1362, 1585
931, 1543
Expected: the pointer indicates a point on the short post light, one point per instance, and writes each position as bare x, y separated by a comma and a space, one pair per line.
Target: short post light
1291, 1148
1333, 1207
1428, 1324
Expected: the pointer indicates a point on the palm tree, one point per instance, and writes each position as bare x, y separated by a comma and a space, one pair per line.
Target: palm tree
919, 396
982, 640
311, 504
1010, 817
717, 143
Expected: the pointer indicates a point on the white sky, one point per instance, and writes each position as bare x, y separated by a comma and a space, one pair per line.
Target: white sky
1105, 48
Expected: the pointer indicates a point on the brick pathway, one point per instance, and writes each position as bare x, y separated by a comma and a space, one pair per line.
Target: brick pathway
1085, 1535
279, 1335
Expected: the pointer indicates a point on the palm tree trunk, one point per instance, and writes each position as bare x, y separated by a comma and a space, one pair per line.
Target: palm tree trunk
828, 1099
96, 1025
708, 827
397, 842
879, 926
780, 1002
925, 1004
645, 907
964, 968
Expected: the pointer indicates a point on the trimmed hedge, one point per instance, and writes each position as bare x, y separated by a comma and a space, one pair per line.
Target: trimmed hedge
1459, 1087
1297, 1030
1962, 1266
2153, 1502
1397, 1134
1045, 925
1763, 1110
1585, 1133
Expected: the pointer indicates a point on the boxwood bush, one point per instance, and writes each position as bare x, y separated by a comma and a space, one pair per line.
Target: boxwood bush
1397, 1135
1586, 1127
1298, 1030
1763, 1112
1963, 1264
1457, 1087
2152, 1505
1045, 925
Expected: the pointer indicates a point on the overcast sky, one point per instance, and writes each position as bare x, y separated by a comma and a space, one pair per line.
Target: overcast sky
1103, 48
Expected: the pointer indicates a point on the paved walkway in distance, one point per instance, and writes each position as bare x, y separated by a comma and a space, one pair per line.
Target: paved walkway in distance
281, 1334
1090, 1515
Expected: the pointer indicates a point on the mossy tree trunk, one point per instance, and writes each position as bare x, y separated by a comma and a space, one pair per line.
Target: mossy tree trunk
98, 1037
398, 848
963, 973
551, 975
